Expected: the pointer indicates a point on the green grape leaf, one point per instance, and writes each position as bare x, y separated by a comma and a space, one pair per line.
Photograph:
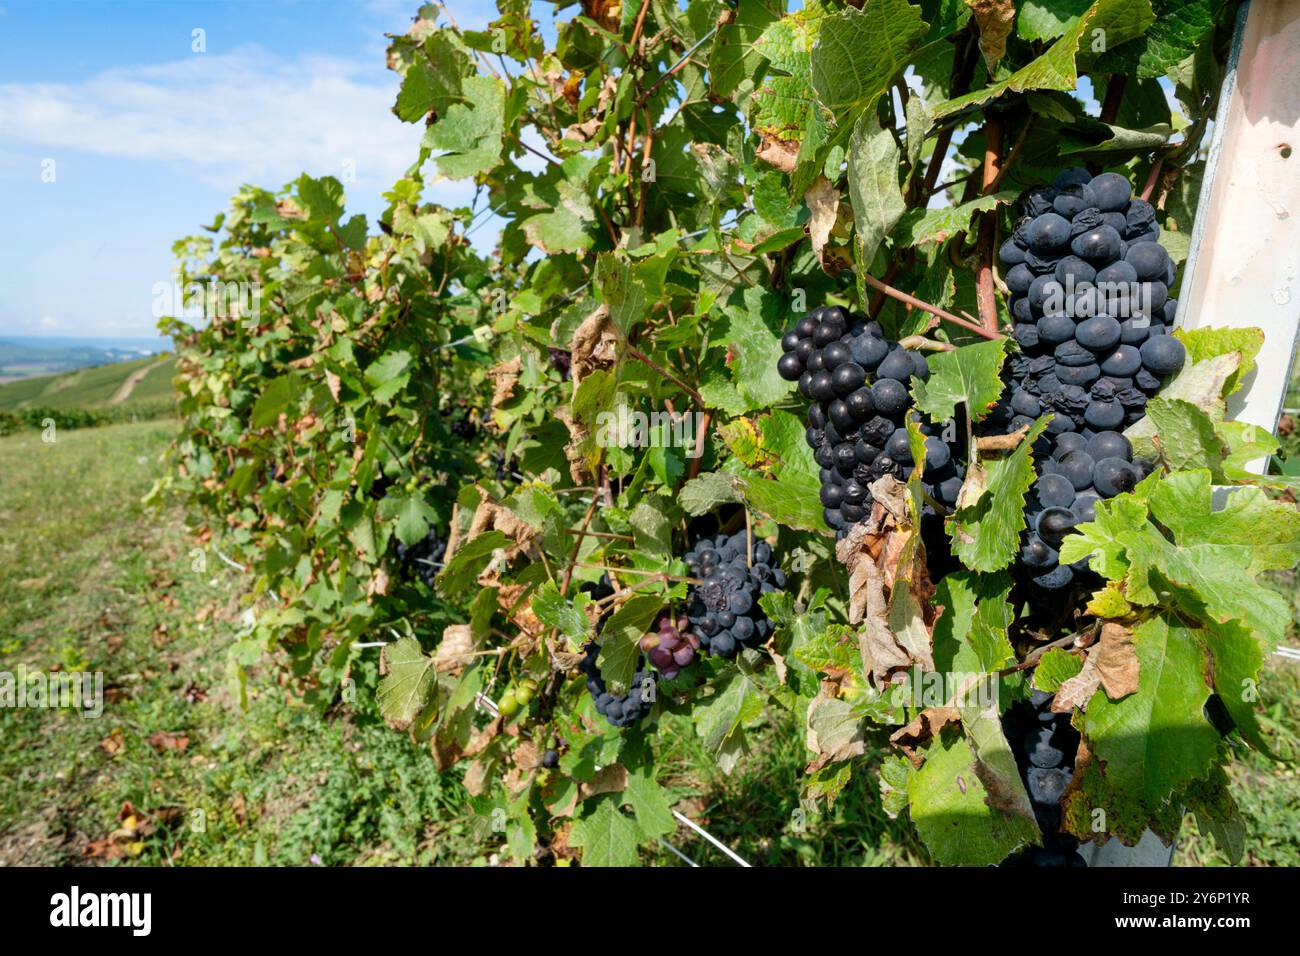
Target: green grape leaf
650, 804
948, 804
1183, 503
1184, 435
1154, 741
469, 561
554, 610
791, 500
1057, 69
388, 375
607, 836
1054, 668
1127, 814
707, 491
278, 394
651, 528
1102, 540
859, 52
408, 684
756, 347
470, 133
1104, 138
784, 100
733, 58
1237, 656
1180, 27
895, 779
622, 289
414, 516
735, 701
919, 226
873, 186
986, 533
1047, 19
969, 375
322, 198
1218, 815
1200, 384
1207, 343
433, 82
970, 636
790, 496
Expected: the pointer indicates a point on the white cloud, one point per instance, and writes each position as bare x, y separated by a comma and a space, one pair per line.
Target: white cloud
243, 116
49, 322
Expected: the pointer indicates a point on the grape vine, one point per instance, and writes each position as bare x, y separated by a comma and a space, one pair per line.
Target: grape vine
790, 383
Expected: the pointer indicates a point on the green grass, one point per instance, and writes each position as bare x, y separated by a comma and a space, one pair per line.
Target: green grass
92, 387
90, 580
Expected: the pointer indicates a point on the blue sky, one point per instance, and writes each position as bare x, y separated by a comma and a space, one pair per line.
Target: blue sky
149, 139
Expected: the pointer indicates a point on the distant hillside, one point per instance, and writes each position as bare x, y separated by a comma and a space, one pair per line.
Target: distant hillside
23, 357
137, 382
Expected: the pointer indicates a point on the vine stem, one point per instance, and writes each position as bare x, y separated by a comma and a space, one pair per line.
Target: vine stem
963, 70
1115, 84
636, 30
1015, 151
584, 532
916, 303
655, 575
700, 440
577, 545
641, 357
685, 58
984, 291
1152, 179
1037, 653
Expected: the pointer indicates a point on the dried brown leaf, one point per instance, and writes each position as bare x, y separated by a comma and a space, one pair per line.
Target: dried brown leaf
505, 376
994, 18
594, 345
611, 779
823, 199
913, 738
456, 650
778, 152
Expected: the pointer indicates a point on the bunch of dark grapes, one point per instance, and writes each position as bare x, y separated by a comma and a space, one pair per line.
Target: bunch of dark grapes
621, 710
724, 609
1090, 288
561, 360
598, 591
1045, 745
671, 646
857, 381
464, 420
423, 559
507, 471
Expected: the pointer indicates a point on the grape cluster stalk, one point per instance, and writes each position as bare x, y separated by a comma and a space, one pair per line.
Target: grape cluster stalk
1090, 295
857, 382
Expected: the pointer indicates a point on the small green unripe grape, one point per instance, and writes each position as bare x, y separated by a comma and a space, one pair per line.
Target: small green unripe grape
523, 695
508, 705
